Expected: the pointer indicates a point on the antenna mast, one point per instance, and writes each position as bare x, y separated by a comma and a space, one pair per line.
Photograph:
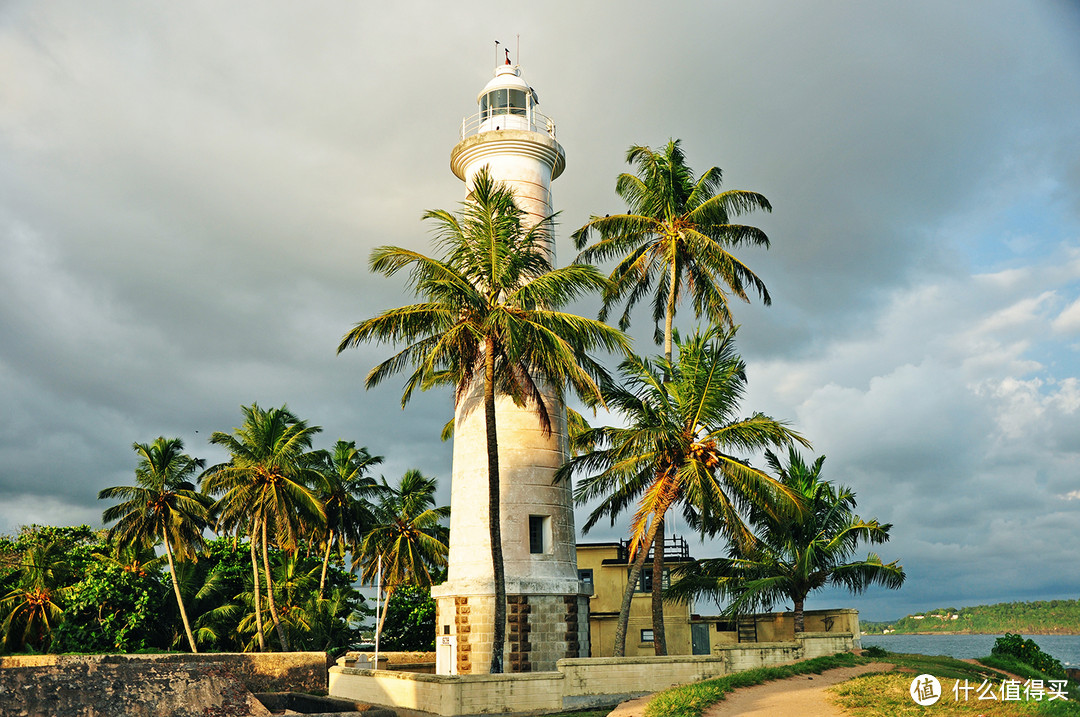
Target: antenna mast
519, 48
496, 53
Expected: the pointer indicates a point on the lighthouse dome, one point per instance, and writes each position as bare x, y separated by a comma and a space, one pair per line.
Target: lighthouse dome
506, 76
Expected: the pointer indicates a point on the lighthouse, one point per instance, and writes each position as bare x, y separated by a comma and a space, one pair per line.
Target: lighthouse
547, 610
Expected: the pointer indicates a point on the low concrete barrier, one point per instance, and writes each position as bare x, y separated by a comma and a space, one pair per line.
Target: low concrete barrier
578, 683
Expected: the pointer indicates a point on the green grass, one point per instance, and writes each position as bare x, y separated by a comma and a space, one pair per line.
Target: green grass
877, 694
693, 699
886, 694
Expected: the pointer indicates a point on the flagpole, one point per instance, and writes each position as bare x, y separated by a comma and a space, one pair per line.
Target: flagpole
378, 602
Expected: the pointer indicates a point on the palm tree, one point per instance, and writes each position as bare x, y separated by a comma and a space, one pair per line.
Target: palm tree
163, 505
265, 486
408, 535
792, 558
678, 449
676, 235
489, 316
34, 604
136, 558
344, 489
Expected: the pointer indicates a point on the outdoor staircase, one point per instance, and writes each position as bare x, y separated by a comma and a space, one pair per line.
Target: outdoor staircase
747, 627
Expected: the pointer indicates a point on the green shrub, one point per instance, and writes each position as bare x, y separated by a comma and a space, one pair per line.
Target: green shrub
1028, 652
874, 651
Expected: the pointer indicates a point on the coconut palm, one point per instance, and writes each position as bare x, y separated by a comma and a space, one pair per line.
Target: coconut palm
345, 490
789, 559
163, 505
408, 535
265, 487
678, 449
489, 318
674, 239
136, 558
33, 605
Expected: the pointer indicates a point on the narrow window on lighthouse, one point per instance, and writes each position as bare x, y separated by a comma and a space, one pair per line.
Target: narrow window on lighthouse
539, 533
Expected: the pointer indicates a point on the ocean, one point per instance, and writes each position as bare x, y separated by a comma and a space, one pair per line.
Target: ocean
1064, 647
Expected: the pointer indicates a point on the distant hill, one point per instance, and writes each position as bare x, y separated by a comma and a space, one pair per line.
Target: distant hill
1043, 617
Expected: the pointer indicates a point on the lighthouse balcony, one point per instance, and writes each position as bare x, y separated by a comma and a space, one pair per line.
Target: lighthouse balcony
520, 118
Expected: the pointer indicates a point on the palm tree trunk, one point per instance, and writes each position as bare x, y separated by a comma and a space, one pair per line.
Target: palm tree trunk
382, 618
176, 589
494, 512
800, 625
325, 563
255, 583
270, 591
659, 639
659, 636
628, 593
669, 315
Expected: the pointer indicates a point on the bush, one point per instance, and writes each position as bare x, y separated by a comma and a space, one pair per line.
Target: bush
874, 651
1028, 652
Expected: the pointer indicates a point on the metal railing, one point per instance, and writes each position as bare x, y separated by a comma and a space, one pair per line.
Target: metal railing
529, 120
674, 547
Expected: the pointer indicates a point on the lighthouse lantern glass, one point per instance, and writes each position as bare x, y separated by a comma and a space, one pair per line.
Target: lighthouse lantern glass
502, 102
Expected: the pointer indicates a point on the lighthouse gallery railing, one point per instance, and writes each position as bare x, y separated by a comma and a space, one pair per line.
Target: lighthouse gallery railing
529, 120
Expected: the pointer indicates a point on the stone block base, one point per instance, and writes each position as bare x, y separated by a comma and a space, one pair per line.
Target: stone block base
540, 630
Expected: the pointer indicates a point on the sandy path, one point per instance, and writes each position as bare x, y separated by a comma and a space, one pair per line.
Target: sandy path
796, 696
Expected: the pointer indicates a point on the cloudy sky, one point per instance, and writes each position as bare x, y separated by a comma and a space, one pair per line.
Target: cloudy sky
189, 194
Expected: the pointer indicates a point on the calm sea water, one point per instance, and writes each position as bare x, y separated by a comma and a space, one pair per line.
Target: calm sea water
1064, 647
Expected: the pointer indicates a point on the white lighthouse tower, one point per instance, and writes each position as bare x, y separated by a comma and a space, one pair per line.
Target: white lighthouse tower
547, 613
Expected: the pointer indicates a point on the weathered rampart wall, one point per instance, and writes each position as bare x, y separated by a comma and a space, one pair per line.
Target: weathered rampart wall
175, 685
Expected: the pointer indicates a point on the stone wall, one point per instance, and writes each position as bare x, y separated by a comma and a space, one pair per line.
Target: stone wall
575, 684
175, 685
258, 671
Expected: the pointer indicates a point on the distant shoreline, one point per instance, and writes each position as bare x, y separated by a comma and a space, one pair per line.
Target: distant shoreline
1072, 633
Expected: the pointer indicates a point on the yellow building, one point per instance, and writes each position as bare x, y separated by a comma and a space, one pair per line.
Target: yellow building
603, 570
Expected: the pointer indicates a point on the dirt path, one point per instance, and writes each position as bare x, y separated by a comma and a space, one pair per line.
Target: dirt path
802, 696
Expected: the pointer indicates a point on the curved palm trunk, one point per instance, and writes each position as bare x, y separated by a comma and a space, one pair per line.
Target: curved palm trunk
494, 512
659, 638
325, 563
382, 618
176, 589
270, 591
255, 583
628, 593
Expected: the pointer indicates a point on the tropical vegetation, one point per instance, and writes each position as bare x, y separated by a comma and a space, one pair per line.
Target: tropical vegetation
1027, 652
289, 521
488, 323
675, 239
408, 541
163, 505
682, 445
787, 558
264, 488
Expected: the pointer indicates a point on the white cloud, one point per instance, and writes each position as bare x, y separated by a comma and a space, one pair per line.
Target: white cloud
1068, 321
